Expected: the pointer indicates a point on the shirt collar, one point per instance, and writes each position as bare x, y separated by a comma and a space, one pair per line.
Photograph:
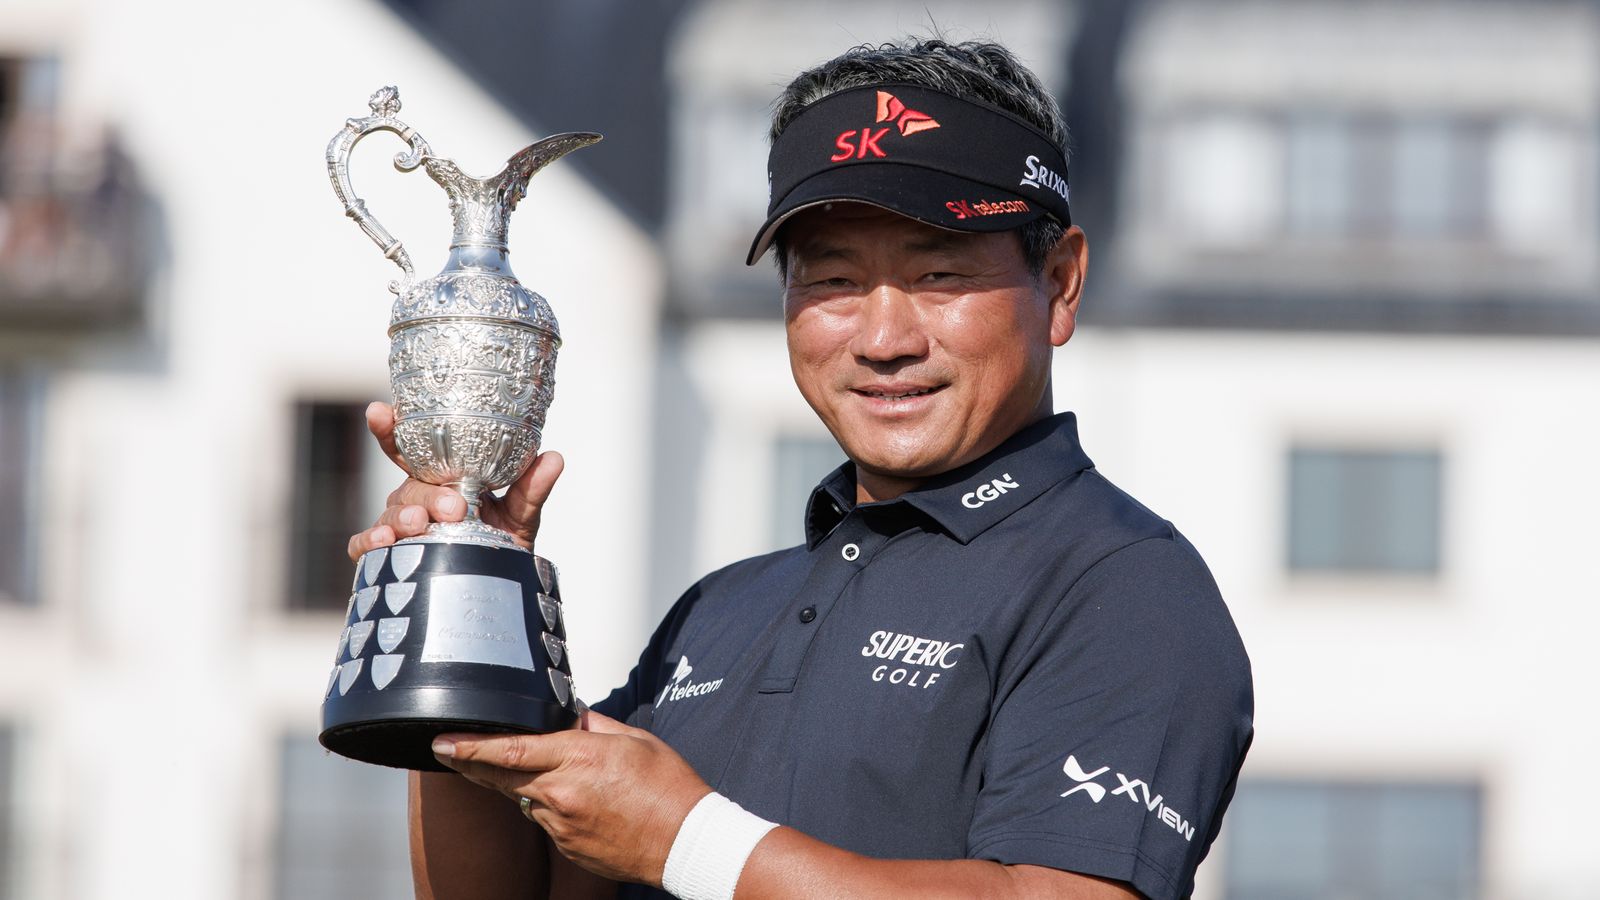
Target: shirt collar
969, 500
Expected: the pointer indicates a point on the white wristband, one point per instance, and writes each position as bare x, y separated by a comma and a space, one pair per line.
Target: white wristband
710, 850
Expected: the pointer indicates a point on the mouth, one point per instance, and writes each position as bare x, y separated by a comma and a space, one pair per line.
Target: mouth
896, 392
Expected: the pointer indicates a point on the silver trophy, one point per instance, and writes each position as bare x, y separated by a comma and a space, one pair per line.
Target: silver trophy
459, 629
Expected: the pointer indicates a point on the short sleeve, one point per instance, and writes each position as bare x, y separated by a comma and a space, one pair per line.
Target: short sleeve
1118, 734
634, 701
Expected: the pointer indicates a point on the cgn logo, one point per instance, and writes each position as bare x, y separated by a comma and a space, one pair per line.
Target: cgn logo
857, 143
991, 491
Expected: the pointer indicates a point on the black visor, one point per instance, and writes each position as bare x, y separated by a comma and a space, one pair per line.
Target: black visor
939, 159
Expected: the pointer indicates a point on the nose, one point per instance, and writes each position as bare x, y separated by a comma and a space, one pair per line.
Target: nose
888, 327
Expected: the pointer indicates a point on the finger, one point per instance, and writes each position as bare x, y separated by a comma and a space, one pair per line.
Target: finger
518, 511
406, 521
518, 752
380, 421
378, 536
511, 782
444, 504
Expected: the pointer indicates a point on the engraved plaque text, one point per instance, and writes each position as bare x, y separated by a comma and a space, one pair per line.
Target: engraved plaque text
476, 619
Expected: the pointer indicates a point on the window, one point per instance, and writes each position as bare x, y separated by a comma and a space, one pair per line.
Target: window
1439, 166
341, 481
800, 464
19, 428
1308, 840
1319, 167
1411, 177
1364, 510
1223, 177
1532, 169
341, 827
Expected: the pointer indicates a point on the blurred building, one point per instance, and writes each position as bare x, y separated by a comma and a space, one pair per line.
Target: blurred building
1340, 328
189, 331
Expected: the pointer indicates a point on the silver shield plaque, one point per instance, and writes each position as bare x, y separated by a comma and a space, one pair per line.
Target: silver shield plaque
476, 619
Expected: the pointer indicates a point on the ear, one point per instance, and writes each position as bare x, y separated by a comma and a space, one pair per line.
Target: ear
1063, 277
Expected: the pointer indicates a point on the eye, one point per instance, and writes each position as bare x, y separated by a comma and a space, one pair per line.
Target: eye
941, 276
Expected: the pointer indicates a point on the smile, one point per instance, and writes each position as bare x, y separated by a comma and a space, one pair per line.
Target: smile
896, 392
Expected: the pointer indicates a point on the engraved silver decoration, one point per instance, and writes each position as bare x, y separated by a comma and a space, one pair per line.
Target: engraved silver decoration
372, 564
384, 668
364, 600
551, 612
404, 560
359, 632
562, 685
397, 595
391, 632
472, 352
348, 674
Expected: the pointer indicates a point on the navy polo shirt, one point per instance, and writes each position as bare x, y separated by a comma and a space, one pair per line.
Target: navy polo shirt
1016, 662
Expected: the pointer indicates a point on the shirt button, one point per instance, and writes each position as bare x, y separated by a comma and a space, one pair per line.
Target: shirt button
808, 614
850, 552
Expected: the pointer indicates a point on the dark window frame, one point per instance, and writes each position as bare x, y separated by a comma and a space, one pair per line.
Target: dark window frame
328, 504
21, 421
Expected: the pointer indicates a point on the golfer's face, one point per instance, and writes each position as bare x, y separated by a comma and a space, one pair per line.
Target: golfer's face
920, 348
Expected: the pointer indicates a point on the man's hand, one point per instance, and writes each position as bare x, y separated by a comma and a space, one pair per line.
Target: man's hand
611, 797
415, 503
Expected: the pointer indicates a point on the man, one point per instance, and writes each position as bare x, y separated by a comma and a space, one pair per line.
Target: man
987, 672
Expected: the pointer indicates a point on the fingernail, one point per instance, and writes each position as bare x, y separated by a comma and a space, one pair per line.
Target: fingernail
451, 505
442, 747
411, 518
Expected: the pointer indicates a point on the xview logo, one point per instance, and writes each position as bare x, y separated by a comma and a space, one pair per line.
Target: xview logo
1134, 789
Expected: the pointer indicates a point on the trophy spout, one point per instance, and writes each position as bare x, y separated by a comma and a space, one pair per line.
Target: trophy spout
527, 162
481, 207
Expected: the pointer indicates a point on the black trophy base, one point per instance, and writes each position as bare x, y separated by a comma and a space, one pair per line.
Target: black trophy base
446, 637
398, 729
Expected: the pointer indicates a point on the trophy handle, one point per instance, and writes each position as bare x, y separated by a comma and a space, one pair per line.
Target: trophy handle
385, 104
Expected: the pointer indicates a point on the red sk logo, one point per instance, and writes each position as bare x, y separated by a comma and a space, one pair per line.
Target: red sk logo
909, 121
859, 143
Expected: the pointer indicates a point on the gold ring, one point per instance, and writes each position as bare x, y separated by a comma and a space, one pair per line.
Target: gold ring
526, 803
